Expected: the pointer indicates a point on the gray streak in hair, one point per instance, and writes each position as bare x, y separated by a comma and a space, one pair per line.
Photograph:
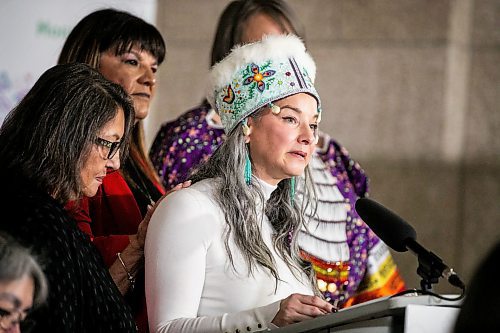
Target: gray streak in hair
17, 262
237, 201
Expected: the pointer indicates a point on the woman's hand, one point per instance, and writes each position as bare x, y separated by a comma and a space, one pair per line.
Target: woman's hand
132, 255
140, 237
180, 186
297, 307
142, 229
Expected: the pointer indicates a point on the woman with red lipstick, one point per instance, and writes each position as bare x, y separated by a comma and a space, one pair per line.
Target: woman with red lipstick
127, 51
55, 146
222, 255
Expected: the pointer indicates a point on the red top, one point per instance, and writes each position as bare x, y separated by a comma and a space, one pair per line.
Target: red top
109, 217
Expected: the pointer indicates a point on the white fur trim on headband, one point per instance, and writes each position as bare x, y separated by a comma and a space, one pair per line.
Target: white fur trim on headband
272, 47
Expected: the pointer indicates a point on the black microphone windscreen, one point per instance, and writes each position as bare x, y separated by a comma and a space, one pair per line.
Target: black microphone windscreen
391, 228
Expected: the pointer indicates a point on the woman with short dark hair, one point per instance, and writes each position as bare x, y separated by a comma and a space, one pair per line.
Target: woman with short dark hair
55, 146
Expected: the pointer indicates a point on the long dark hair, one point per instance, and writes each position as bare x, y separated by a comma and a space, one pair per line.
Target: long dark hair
49, 135
119, 31
233, 19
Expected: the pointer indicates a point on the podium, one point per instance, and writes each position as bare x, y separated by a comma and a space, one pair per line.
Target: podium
401, 314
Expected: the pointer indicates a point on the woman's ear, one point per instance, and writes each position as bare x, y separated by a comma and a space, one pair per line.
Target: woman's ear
247, 128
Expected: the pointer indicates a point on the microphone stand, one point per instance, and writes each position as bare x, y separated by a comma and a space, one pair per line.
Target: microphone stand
430, 266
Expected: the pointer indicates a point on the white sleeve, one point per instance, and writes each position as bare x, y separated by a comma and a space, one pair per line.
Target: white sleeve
254, 320
179, 235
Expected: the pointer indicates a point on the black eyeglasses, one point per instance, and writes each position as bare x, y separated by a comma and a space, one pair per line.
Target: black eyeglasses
112, 147
9, 319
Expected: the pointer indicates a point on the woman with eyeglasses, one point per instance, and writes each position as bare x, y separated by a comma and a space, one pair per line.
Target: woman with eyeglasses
128, 51
22, 286
56, 146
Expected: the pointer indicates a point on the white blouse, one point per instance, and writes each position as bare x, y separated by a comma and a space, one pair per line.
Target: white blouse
190, 283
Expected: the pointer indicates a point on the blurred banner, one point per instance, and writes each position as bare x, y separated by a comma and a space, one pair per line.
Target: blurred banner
32, 33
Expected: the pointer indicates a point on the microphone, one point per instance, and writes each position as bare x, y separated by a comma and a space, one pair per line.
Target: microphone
400, 236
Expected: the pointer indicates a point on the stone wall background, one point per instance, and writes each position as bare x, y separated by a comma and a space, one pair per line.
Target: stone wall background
410, 87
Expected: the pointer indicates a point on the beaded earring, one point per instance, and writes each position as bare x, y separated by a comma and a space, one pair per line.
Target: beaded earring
248, 163
248, 169
244, 126
274, 108
292, 189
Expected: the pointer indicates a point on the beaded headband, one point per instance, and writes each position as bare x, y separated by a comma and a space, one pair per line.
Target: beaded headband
254, 75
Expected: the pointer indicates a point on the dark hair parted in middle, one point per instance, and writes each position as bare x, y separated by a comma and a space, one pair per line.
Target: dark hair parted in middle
49, 135
109, 29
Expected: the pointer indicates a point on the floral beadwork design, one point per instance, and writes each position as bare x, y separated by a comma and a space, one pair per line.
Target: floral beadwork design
258, 77
255, 84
